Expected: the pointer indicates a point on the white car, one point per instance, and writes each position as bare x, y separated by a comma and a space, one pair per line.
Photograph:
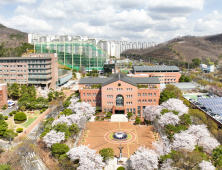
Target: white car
11, 106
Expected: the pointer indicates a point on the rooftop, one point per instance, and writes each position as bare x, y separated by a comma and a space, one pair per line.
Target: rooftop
119, 76
156, 68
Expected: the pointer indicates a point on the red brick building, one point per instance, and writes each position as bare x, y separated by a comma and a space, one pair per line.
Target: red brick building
120, 94
3, 95
166, 74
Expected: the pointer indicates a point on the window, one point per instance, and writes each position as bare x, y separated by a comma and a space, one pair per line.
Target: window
154, 94
104, 110
127, 110
134, 110
83, 94
154, 100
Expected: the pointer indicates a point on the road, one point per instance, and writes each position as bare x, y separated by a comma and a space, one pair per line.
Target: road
7, 111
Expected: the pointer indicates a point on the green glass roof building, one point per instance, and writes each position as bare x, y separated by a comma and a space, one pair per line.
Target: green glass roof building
75, 54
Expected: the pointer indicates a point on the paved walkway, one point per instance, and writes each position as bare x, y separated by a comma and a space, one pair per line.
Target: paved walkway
96, 136
119, 118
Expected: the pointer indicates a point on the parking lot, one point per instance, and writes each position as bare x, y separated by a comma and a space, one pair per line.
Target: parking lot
208, 103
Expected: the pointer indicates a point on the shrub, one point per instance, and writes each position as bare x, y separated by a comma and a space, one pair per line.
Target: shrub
41, 111
129, 114
10, 114
6, 117
4, 107
109, 114
137, 121
13, 112
121, 168
20, 116
19, 130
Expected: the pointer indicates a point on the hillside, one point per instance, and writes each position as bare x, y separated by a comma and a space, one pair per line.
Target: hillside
12, 37
13, 43
183, 49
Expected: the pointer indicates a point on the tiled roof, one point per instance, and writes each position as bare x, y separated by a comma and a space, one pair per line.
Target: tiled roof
155, 68
119, 76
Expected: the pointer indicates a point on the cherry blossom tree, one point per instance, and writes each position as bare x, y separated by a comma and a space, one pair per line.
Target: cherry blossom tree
208, 144
52, 137
152, 112
83, 108
88, 159
205, 165
162, 147
144, 159
43, 93
175, 104
168, 118
204, 138
184, 140
167, 165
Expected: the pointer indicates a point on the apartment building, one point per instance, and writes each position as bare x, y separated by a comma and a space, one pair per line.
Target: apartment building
37, 69
166, 74
120, 94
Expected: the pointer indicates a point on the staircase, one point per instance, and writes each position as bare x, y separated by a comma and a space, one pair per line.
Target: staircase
119, 118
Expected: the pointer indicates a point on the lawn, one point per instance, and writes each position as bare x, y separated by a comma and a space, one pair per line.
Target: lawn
30, 120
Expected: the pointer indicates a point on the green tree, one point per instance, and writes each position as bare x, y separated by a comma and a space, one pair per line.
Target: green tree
59, 149
66, 112
109, 114
129, 115
63, 127
196, 62
107, 153
5, 167
74, 128
3, 125
130, 64
165, 95
4, 107
216, 62
185, 160
50, 96
176, 90
9, 90
182, 78
187, 79
217, 156
15, 90
137, 121
24, 89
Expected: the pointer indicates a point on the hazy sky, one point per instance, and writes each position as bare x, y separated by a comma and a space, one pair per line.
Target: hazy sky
128, 20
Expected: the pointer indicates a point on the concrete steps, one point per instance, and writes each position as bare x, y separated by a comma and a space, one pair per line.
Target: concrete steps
119, 118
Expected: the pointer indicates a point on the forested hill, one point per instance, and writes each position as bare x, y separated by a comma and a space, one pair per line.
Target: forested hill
182, 49
13, 42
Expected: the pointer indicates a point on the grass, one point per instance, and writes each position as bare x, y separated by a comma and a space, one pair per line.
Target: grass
30, 120
129, 136
111, 135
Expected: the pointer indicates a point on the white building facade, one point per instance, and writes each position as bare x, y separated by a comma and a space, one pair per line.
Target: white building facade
113, 48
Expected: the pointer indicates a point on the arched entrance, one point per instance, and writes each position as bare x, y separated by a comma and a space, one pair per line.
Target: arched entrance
119, 100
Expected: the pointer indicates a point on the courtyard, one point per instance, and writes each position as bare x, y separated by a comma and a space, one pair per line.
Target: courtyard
99, 136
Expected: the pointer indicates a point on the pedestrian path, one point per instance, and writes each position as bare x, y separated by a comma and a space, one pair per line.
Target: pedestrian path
119, 118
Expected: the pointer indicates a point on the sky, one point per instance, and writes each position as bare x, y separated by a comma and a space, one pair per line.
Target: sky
121, 20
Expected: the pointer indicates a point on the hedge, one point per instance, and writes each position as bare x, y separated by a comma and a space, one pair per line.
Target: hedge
6, 117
